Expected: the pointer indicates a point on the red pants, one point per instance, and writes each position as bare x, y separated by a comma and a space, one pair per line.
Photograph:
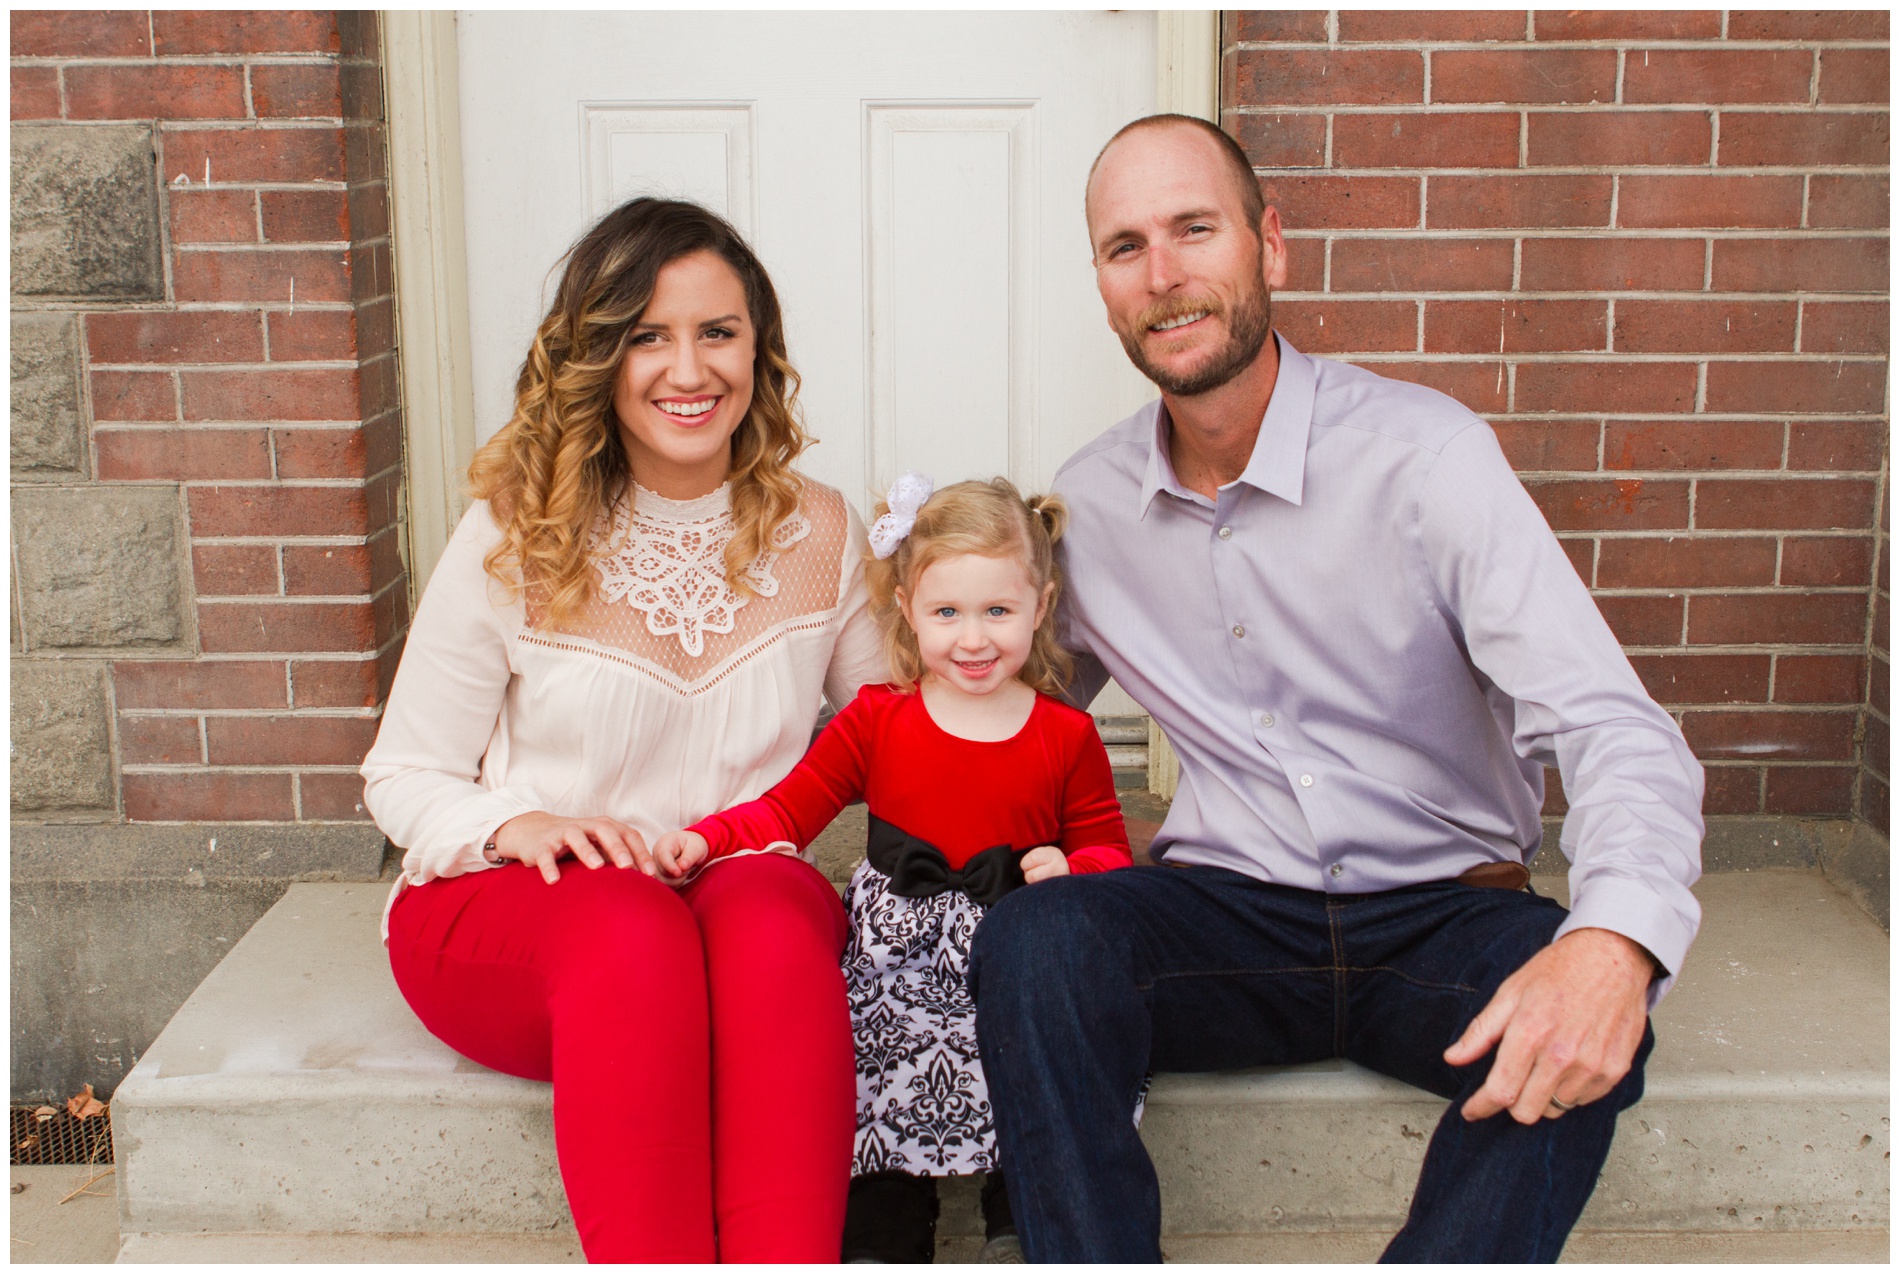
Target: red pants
698, 1042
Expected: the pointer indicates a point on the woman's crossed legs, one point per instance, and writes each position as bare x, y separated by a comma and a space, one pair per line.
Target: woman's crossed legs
669, 1120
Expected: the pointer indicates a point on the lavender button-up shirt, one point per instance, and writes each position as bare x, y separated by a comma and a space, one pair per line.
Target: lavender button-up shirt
1366, 651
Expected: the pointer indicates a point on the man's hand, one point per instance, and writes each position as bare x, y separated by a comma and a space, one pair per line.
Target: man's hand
679, 852
1043, 862
541, 839
1569, 1022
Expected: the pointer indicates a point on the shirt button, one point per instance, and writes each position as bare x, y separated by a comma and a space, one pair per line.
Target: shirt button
1239, 631
1266, 720
1227, 533
1338, 871
1306, 780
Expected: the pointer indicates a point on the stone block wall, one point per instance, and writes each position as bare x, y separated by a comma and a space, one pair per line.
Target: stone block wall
1652, 249
208, 582
206, 427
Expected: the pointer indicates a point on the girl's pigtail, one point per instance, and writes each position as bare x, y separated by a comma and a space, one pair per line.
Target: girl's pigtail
1052, 513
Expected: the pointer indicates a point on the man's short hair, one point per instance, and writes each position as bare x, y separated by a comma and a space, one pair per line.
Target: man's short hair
1246, 185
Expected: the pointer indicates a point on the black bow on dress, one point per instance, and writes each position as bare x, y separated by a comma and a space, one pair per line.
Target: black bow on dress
919, 869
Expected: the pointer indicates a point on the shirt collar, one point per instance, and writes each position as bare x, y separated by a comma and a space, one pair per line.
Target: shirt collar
1278, 463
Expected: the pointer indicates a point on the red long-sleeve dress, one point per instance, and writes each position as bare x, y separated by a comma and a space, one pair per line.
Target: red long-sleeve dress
923, 1106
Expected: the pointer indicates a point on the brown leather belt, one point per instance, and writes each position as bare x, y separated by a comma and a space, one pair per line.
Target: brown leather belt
1496, 876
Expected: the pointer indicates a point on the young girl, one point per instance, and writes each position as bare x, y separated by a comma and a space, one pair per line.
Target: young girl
977, 782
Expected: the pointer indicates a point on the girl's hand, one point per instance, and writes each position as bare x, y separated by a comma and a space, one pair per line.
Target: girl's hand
1043, 862
679, 852
540, 839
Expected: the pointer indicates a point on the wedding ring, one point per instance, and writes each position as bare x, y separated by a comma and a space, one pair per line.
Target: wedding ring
1561, 1104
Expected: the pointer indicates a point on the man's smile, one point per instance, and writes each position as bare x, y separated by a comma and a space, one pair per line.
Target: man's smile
1182, 321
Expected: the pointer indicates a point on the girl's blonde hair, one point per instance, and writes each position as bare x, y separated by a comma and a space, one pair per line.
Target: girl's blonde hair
989, 519
558, 465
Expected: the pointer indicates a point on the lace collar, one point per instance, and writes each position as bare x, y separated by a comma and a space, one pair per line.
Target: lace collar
651, 506
666, 559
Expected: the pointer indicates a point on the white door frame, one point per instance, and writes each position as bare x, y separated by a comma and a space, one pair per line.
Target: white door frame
423, 114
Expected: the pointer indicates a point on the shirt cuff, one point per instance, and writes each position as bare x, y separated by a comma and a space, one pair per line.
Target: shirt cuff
479, 820
1096, 858
1630, 908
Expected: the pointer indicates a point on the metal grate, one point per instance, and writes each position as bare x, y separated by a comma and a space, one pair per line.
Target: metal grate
39, 1138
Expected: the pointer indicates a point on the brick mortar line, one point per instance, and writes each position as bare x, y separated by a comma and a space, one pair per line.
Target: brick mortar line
1721, 590
224, 426
1682, 296
1504, 106
166, 125
233, 424
178, 59
1730, 649
343, 598
27, 305
313, 183
1731, 533
238, 657
366, 713
245, 368
224, 822
278, 599
174, 123
1616, 356
1705, 475
288, 541
266, 246
1702, 44
200, 767
1605, 233
1744, 171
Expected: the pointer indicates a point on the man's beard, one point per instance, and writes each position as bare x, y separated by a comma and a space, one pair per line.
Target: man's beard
1249, 324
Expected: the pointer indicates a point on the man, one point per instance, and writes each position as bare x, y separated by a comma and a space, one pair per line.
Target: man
1365, 644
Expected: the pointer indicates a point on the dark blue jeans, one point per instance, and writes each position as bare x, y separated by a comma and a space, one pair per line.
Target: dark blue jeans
1085, 983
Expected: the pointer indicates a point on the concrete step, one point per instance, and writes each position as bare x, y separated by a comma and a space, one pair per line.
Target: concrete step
295, 1105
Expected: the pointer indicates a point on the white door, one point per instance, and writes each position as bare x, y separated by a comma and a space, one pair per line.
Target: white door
912, 181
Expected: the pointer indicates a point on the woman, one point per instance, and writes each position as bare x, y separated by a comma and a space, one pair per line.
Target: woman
629, 631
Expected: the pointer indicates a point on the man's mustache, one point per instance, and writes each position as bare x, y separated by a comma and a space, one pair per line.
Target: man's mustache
1169, 308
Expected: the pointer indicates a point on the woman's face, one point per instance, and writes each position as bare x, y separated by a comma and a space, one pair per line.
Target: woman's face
686, 382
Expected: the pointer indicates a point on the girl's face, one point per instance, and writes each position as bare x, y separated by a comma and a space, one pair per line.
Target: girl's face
685, 384
975, 619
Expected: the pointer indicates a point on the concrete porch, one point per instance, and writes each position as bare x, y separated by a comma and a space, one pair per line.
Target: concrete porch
296, 1110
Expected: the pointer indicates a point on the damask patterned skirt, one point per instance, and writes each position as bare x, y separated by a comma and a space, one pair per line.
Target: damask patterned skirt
923, 1106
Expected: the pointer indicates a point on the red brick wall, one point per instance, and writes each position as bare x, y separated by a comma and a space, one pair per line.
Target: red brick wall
265, 381
1651, 249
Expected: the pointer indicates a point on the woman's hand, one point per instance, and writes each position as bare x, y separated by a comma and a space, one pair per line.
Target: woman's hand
679, 852
540, 839
1044, 862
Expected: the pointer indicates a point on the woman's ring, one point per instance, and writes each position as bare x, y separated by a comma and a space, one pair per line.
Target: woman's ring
1561, 1104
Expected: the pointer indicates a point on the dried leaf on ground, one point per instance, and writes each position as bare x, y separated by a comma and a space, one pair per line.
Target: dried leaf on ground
27, 1142
84, 1105
44, 1113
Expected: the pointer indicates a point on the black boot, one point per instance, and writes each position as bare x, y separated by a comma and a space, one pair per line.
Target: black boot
891, 1218
1001, 1246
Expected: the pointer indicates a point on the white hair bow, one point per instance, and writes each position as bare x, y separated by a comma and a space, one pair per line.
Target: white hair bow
907, 496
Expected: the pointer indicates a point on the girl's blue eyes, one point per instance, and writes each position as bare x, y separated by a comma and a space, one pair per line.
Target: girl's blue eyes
949, 612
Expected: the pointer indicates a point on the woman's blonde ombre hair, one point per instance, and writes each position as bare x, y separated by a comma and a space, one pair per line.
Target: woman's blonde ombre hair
989, 519
558, 465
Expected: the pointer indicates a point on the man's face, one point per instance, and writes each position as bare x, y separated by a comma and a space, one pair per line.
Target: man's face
1187, 281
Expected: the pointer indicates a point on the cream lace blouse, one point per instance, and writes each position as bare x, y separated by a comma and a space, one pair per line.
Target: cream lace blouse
667, 697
